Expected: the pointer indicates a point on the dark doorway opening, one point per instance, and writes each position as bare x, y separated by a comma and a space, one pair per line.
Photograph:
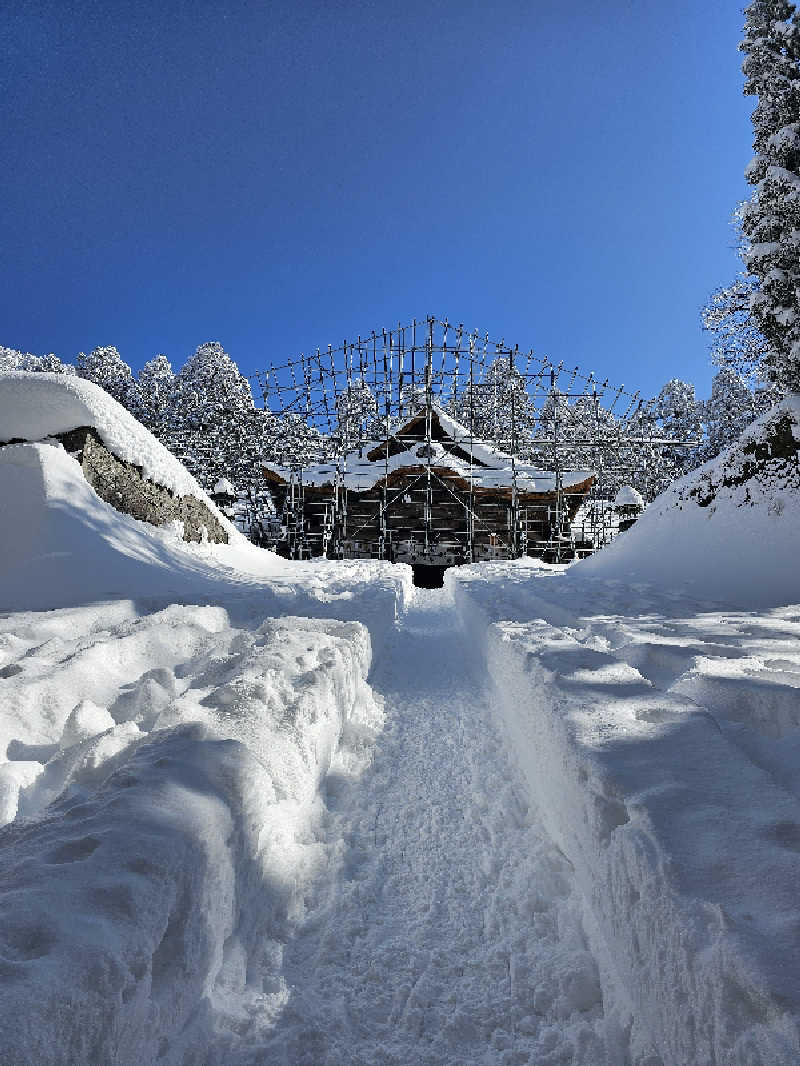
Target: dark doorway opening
428, 577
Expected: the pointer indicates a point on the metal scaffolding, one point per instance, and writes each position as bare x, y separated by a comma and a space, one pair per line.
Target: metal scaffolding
365, 390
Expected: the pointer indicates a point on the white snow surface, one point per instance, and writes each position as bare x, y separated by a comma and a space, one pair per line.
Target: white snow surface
628, 496
34, 407
258, 811
741, 548
659, 736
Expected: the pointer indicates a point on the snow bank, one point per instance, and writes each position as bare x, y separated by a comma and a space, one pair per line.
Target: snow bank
34, 407
168, 773
659, 740
726, 531
64, 547
685, 851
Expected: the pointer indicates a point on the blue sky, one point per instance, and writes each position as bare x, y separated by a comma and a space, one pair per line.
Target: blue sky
284, 175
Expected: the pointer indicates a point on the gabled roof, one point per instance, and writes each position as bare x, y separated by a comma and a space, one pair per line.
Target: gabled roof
452, 448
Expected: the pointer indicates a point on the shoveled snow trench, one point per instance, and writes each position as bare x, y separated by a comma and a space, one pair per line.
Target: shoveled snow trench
443, 927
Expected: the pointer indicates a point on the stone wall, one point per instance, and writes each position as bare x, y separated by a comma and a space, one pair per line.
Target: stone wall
123, 486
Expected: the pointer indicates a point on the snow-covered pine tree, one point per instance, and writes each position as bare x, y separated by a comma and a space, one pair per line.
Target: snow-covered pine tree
209, 390
356, 409
152, 400
11, 359
729, 410
771, 218
639, 461
498, 408
209, 415
678, 411
678, 416
106, 368
737, 343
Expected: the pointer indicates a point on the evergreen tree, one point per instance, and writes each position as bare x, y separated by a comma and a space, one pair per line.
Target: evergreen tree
106, 368
209, 391
153, 395
677, 416
498, 408
771, 218
11, 359
729, 410
356, 410
737, 342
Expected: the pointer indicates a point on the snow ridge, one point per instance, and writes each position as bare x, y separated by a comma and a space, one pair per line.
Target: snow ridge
677, 820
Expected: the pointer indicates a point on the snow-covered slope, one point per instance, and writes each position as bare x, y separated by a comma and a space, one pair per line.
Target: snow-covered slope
728, 530
63, 547
658, 734
34, 407
166, 824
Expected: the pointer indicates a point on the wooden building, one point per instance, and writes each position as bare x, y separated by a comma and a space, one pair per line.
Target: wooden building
430, 495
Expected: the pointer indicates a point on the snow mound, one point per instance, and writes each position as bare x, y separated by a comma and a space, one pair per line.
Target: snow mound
34, 407
64, 547
727, 531
628, 496
659, 739
166, 826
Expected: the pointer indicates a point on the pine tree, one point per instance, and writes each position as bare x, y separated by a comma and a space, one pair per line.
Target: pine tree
771, 218
356, 409
153, 395
106, 368
679, 417
11, 359
209, 390
729, 410
497, 408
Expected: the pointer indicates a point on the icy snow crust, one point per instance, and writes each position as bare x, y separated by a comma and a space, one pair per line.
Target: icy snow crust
268, 812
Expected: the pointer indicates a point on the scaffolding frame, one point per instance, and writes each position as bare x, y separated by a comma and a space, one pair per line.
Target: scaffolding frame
411, 369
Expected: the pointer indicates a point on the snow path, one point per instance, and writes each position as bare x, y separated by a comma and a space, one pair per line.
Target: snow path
443, 930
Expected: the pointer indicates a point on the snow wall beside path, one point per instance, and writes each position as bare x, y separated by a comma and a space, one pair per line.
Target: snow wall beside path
63, 547
683, 849
166, 843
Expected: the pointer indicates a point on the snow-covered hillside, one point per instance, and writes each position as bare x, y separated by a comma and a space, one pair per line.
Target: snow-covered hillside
727, 530
264, 811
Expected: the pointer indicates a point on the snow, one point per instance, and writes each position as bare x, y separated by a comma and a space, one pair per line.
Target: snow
259, 811
359, 474
658, 738
34, 407
65, 547
628, 496
741, 548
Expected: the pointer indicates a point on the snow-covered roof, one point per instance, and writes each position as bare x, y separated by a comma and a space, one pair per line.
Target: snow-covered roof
34, 407
496, 469
628, 497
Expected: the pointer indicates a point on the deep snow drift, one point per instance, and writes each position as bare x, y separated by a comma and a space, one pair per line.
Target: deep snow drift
727, 531
560, 824
34, 407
